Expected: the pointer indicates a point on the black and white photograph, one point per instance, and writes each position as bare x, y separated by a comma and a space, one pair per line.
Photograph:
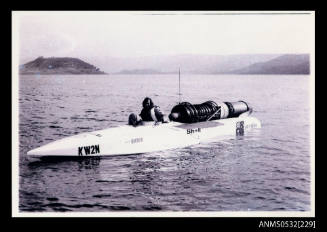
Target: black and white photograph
163, 113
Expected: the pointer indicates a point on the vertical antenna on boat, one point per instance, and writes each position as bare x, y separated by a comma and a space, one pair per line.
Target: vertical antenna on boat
179, 84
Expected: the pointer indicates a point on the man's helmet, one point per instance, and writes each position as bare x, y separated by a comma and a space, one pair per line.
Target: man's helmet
145, 102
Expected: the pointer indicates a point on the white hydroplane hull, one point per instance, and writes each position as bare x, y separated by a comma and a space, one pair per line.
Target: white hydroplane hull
127, 139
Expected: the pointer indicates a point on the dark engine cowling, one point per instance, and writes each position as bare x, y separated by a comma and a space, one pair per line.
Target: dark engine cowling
189, 113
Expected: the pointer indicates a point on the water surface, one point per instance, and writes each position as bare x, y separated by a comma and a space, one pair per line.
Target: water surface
267, 170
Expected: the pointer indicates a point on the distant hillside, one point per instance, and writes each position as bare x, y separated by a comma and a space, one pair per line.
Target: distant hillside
188, 63
140, 71
285, 64
58, 65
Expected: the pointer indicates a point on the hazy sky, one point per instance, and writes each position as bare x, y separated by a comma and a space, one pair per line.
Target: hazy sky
132, 34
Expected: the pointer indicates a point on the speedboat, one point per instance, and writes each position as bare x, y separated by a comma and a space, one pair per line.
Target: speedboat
189, 125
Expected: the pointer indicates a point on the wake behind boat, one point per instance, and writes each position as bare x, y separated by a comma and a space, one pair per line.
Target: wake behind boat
189, 125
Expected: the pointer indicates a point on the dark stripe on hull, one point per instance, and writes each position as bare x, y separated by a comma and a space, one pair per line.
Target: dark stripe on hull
208, 124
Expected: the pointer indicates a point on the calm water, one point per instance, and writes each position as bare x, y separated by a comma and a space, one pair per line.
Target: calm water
267, 170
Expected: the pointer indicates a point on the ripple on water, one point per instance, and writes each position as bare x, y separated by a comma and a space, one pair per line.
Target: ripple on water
102, 195
294, 189
54, 127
